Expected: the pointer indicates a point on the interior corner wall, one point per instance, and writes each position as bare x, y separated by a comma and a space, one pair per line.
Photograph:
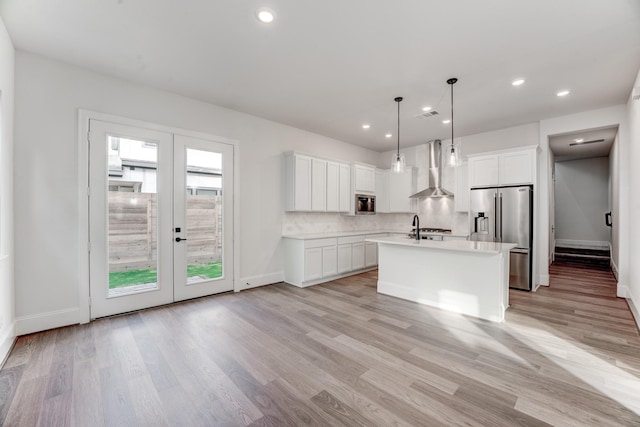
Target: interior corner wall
7, 286
581, 200
633, 242
604, 117
48, 96
614, 203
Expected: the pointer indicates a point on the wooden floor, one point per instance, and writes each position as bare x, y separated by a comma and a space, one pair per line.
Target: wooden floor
337, 354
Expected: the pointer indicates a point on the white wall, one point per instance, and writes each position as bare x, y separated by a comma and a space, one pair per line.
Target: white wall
7, 288
604, 117
582, 199
633, 283
49, 94
614, 203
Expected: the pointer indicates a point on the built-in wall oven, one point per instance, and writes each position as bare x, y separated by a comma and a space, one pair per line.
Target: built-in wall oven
365, 204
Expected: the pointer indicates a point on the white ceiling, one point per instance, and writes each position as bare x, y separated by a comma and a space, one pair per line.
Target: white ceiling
598, 144
329, 66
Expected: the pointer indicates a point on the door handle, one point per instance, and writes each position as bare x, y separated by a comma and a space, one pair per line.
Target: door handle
607, 219
178, 239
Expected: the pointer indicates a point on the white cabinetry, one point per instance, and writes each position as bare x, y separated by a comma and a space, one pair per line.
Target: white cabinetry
297, 183
370, 254
517, 167
382, 191
312, 261
329, 261
510, 167
318, 185
344, 191
333, 187
314, 184
393, 191
312, 264
357, 256
401, 186
344, 257
364, 179
461, 196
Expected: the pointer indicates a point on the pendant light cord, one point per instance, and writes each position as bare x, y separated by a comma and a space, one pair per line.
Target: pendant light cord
452, 115
398, 152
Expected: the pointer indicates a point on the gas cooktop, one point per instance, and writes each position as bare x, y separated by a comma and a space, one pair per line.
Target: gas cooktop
433, 230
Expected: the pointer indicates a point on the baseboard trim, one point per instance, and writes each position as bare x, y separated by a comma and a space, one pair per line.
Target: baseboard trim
543, 280
329, 279
634, 311
250, 282
6, 343
50, 320
614, 269
582, 243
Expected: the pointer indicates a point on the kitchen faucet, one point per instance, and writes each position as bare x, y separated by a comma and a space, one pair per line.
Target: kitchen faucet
416, 224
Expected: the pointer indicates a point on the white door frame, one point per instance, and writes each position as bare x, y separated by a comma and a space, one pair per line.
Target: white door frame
83, 201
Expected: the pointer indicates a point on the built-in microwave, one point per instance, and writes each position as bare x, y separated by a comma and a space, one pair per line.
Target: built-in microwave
365, 204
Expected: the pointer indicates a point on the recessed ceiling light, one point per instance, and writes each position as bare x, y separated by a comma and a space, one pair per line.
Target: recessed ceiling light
562, 93
265, 15
427, 108
388, 135
366, 126
517, 82
446, 122
579, 140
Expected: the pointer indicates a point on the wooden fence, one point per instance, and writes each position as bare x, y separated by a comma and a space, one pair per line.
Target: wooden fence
132, 230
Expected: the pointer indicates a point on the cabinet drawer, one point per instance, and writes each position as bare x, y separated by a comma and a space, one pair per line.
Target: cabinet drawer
319, 243
350, 239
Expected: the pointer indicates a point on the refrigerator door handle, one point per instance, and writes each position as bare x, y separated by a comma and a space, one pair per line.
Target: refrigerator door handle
495, 217
500, 207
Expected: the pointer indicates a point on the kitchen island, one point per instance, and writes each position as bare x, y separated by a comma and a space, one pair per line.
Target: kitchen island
467, 277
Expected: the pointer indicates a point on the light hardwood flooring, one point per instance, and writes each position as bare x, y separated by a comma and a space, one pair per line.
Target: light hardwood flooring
337, 354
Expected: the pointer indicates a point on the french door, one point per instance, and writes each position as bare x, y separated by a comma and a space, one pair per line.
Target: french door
160, 218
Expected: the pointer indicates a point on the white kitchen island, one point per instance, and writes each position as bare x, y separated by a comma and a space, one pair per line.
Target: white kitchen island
471, 278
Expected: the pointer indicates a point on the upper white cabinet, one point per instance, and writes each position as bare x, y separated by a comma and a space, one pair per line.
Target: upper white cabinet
382, 191
503, 168
462, 195
344, 196
518, 167
364, 177
393, 191
318, 185
314, 184
297, 182
401, 186
333, 187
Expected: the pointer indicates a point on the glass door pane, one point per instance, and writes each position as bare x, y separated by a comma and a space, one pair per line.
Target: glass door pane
204, 215
133, 214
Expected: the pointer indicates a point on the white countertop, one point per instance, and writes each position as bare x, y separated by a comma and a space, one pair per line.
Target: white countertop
448, 245
361, 233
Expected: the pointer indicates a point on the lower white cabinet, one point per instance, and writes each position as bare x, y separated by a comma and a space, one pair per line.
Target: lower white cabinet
357, 256
313, 261
370, 254
329, 261
344, 258
312, 264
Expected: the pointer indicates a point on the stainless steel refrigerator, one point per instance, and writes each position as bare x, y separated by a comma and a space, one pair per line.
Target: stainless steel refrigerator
505, 214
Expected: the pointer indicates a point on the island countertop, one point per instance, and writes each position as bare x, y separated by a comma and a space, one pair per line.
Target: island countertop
447, 245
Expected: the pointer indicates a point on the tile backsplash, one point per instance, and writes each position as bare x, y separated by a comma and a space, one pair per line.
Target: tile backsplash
321, 222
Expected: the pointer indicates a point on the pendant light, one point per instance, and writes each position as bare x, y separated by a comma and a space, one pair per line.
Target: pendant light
454, 151
398, 163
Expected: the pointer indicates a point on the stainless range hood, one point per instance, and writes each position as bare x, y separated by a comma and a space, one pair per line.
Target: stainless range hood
435, 173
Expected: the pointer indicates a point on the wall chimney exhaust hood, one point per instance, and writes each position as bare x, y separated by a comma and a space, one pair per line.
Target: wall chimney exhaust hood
435, 173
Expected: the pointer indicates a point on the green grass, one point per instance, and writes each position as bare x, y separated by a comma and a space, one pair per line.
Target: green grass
121, 279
